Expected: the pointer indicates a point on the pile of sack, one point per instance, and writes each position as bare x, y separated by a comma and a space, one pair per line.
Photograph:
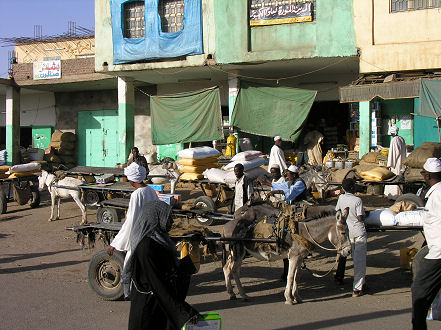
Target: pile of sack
251, 162
194, 161
20, 170
415, 161
62, 150
400, 214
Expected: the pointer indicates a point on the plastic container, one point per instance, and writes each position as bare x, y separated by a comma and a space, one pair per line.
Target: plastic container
329, 164
349, 164
339, 164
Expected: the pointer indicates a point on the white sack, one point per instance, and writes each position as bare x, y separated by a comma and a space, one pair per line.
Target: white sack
410, 218
246, 155
381, 217
29, 167
198, 152
247, 164
256, 172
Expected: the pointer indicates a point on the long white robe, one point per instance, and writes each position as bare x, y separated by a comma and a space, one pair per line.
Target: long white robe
138, 198
397, 154
312, 142
277, 157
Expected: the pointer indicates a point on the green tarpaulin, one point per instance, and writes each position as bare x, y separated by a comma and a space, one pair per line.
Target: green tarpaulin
430, 98
186, 117
271, 111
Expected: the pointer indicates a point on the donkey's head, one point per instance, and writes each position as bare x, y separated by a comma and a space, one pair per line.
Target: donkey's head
341, 239
44, 180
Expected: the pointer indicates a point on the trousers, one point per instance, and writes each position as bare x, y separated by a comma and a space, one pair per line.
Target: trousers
426, 285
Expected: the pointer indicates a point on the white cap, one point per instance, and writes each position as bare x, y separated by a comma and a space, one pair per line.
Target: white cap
277, 138
135, 172
275, 166
393, 130
293, 169
432, 165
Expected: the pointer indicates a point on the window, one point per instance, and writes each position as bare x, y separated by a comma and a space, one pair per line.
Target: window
172, 15
405, 5
134, 23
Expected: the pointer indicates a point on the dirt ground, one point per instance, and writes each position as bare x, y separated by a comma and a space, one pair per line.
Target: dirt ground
43, 272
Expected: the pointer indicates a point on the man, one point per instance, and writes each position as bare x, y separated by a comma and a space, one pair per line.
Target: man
243, 188
397, 154
427, 281
277, 156
135, 157
277, 178
294, 189
357, 235
143, 194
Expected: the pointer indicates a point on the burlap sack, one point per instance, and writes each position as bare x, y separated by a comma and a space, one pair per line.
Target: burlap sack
402, 206
413, 175
58, 145
67, 159
373, 157
338, 175
51, 157
58, 136
418, 157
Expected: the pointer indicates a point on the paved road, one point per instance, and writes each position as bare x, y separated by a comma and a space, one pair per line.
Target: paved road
43, 276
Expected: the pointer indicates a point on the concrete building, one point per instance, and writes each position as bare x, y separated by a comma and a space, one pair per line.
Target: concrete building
399, 45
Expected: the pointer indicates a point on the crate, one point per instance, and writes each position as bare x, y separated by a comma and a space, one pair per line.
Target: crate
157, 187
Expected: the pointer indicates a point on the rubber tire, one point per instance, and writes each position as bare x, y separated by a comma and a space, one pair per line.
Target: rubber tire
91, 197
411, 198
35, 199
113, 288
3, 202
417, 260
204, 203
107, 215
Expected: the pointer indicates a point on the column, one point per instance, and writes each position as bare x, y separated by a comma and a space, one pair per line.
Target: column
13, 125
233, 90
126, 117
365, 127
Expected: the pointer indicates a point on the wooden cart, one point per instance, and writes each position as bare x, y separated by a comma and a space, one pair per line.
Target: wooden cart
27, 184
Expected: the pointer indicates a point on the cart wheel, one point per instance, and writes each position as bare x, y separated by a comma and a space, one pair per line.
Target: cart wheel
204, 203
3, 202
35, 199
418, 259
107, 215
91, 197
104, 275
411, 198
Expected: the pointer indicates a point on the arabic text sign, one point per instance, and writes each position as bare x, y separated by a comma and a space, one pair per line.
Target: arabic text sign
279, 14
47, 70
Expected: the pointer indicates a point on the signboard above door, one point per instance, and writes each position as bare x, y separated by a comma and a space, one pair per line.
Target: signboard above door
272, 12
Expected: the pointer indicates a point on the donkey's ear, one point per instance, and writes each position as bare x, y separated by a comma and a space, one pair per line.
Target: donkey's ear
338, 216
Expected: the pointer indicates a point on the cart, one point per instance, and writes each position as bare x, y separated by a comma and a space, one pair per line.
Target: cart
28, 184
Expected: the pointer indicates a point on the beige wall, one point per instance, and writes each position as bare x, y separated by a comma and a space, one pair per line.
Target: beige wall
66, 49
396, 41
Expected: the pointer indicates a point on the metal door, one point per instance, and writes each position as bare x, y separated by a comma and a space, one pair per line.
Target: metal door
98, 138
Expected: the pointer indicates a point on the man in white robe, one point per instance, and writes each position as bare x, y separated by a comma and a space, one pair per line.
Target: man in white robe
277, 156
143, 194
397, 154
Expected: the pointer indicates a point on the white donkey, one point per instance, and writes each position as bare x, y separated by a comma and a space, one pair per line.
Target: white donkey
48, 179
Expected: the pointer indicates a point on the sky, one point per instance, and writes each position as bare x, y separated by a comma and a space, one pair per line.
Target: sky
18, 17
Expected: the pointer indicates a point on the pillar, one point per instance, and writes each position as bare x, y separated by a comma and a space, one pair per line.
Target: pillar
126, 117
365, 127
13, 125
233, 90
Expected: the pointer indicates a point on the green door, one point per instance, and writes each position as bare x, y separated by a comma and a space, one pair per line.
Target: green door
98, 138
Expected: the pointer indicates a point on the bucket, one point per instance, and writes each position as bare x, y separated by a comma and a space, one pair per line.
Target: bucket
349, 164
329, 164
339, 164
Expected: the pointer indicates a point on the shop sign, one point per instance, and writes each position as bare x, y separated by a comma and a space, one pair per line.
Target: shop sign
47, 70
272, 13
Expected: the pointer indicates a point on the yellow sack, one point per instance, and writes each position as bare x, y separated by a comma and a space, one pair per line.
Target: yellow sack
191, 176
4, 168
21, 174
198, 162
194, 169
377, 174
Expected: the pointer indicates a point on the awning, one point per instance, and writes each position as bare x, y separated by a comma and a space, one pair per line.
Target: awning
386, 91
271, 111
430, 99
186, 117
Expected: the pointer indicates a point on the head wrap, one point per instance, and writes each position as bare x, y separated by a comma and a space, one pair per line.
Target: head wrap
277, 138
151, 222
135, 172
393, 130
275, 166
293, 169
432, 165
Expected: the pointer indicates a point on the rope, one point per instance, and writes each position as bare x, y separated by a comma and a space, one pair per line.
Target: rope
320, 276
313, 240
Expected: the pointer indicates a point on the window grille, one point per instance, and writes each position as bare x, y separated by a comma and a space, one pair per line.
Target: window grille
406, 5
172, 15
134, 23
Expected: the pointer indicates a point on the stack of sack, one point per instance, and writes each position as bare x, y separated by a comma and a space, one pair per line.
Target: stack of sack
400, 214
251, 162
194, 161
62, 150
415, 161
3, 157
21, 170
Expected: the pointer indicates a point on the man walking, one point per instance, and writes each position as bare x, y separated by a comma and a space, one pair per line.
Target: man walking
397, 154
277, 156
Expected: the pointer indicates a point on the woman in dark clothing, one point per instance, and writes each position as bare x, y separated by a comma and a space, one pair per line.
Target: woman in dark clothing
153, 275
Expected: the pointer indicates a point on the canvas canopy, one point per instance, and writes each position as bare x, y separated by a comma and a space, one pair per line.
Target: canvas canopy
271, 111
430, 98
186, 117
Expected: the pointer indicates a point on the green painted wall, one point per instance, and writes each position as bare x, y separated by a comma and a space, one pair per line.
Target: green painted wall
425, 129
365, 127
330, 34
398, 108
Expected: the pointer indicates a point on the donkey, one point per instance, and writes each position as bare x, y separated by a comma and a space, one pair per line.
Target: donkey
48, 179
314, 230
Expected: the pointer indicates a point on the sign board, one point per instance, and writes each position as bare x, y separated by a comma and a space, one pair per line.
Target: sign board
272, 13
47, 70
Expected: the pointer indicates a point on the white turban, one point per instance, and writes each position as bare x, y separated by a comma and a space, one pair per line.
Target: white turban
393, 130
277, 138
135, 172
275, 166
293, 169
432, 165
